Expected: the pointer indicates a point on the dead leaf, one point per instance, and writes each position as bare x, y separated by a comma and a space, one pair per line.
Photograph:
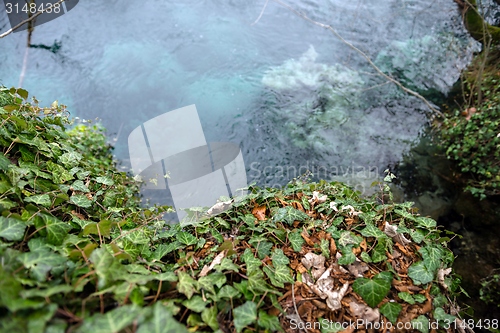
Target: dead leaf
259, 212
317, 198
441, 275
392, 231
358, 268
219, 207
351, 209
364, 312
217, 260
316, 262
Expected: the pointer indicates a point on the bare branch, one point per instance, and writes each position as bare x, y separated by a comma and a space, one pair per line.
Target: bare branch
8, 32
261, 13
364, 55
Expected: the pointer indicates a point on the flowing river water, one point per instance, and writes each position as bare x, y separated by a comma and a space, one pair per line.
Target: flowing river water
290, 94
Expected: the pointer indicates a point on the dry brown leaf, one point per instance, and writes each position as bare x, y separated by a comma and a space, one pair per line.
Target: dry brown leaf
297, 205
317, 198
259, 212
333, 247
219, 207
357, 268
217, 260
306, 237
364, 312
80, 216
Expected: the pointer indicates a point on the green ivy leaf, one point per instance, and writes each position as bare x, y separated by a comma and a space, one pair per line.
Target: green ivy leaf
226, 265
391, 311
426, 222
289, 215
245, 315
419, 273
46, 293
278, 275
262, 245
209, 317
296, 240
347, 257
325, 248
186, 284
102, 228
78, 185
421, 323
12, 229
56, 229
39, 199
419, 298
112, 321
70, 159
432, 257
186, 238
366, 257
445, 320
195, 303
407, 297
164, 249
107, 267
270, 323
105, 180
80, 200
373, 290
378, 253
209, 282
228, 291
160, 320
372, 231
279, 258
59, 174
348, 238
417, 235
40, 262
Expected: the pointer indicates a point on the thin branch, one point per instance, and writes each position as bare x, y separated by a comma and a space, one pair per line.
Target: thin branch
261, 13
8, 32
364, 55
295, 307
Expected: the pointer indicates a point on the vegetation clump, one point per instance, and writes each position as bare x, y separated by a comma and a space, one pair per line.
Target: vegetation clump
78, 253
471, 136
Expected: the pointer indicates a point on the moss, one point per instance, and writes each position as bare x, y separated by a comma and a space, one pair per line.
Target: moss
479, 29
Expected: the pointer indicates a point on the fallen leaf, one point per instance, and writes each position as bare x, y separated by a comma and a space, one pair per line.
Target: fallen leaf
364, 312
217, 260
317, 198
219, 207
259, 212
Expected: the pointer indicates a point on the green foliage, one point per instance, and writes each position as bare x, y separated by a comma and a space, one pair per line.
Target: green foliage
472, 138
80, 254
66, 227
490, 289
373, 290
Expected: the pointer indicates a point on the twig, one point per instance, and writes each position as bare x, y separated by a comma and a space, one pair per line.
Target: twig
367, 58
261, 13
295, 307
8, 32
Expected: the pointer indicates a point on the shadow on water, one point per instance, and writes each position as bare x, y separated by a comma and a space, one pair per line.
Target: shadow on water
429, 180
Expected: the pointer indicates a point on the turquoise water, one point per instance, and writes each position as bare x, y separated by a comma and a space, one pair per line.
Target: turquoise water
125, 62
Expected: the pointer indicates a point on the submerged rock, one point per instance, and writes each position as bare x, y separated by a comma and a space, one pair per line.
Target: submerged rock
315, 99
429, 64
